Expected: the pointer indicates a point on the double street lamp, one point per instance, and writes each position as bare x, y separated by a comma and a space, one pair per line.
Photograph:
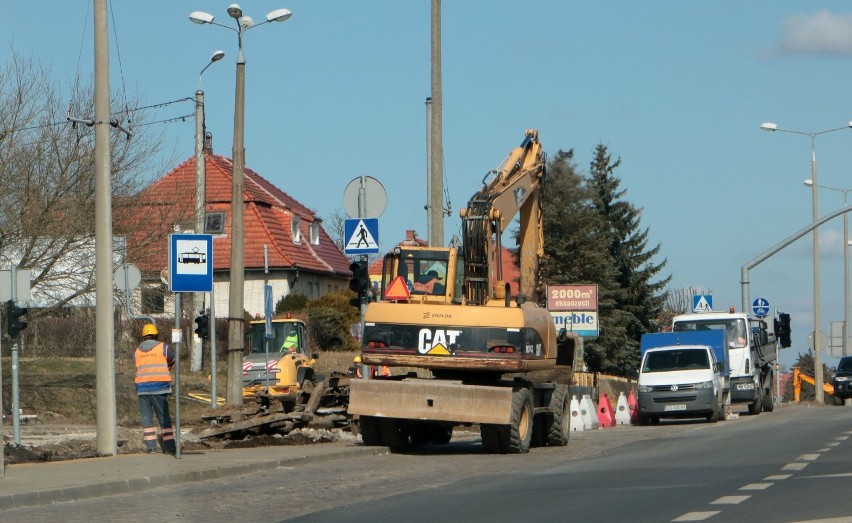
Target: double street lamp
769, 126
845, 192
237, 276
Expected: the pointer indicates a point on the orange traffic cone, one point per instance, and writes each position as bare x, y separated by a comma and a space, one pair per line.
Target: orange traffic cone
605, 415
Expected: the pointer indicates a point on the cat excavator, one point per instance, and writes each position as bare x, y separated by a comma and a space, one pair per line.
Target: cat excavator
494, 359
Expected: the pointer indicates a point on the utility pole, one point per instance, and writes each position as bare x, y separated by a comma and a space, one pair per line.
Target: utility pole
436, 171
105, 329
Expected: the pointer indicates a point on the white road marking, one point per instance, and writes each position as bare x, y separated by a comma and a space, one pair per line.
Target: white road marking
794, 466
777, 477
697, 516
756, 486
808, 457
730, 500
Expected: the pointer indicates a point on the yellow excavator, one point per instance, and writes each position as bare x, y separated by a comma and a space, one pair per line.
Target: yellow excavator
494, 359
799, 377
281, 389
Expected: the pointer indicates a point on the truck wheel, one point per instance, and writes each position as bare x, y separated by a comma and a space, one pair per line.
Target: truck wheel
520, 429
755, 408
560, 425
368, 426
393, 432
644, 420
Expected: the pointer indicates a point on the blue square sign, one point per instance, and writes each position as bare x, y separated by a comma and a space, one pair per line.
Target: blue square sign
362, 236
190, 262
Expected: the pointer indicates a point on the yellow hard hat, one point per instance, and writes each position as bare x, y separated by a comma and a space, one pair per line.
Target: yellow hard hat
149, 330
357, 359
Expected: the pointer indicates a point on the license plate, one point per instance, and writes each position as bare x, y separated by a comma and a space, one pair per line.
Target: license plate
745, 386
675, 407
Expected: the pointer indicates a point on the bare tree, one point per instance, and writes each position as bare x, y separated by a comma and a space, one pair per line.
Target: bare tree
47, 179
335, 227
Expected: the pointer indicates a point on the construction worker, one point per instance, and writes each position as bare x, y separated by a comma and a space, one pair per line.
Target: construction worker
154, 360
291, 342
355, 369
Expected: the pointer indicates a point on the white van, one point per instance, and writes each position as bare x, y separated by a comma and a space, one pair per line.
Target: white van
680, 381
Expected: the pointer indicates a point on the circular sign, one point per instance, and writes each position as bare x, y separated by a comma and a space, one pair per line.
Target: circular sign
127, 277
760, 306
366, 194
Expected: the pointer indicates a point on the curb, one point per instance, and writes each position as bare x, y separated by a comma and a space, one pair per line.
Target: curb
109, 488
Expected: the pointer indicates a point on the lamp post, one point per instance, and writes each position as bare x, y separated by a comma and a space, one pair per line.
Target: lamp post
769, 126
845, 192
200, 192
237, 276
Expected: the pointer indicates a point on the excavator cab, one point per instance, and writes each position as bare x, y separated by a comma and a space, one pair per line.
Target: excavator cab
431, 274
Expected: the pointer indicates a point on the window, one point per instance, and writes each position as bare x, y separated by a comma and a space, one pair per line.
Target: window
294, 230
214, 223
315, 233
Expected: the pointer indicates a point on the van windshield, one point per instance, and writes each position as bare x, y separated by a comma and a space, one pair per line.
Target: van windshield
682, 359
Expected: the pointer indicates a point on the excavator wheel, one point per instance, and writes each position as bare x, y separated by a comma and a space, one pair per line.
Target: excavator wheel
393, 432
368, 426
560, 424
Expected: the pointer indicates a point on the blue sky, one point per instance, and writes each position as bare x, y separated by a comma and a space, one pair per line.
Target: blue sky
677, 90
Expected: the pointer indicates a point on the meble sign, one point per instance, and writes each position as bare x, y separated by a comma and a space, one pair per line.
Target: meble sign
583, 323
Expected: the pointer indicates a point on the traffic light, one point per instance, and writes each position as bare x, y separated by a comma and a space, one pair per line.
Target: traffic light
782, 329
203, 329
14, 325
360, 282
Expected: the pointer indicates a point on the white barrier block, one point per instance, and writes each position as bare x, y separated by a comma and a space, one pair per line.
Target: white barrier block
590, 413
577, 423
622, 411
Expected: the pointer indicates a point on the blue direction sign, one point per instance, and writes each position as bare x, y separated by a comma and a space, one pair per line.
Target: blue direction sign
760, 306
190, 262
362, 236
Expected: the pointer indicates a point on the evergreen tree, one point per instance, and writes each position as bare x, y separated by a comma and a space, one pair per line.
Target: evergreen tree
637, 298
576, 243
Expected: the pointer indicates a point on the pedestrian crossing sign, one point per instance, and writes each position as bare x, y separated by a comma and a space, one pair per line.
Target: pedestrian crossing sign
702, 303
362, 236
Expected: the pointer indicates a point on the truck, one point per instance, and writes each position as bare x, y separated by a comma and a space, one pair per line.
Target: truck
684, 375
484, 357
752, 354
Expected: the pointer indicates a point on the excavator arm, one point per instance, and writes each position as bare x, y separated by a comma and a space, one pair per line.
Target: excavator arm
799, 377
514, 188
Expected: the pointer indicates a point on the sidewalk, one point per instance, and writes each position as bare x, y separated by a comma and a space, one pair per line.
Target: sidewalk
43, 483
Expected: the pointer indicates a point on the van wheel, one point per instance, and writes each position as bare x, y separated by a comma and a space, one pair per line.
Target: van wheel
713, 417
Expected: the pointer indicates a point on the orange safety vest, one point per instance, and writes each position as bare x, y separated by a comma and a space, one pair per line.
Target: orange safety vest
152, 365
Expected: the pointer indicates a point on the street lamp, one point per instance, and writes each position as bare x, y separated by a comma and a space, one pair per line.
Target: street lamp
769, 126
237, 276
845, 192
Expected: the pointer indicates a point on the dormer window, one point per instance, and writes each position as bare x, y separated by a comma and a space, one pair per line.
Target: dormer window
294, 230
315, 233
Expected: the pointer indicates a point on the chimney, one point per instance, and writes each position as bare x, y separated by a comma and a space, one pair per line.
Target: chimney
410, 235
208, 142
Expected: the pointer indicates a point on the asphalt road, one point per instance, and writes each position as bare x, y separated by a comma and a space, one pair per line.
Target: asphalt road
791, 465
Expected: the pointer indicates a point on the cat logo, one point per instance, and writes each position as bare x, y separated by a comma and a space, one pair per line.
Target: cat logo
437, 343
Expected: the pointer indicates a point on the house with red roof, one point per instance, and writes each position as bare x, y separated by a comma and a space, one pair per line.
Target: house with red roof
300, 255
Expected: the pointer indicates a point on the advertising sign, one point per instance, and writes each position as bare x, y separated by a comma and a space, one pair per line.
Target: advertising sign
572, 297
